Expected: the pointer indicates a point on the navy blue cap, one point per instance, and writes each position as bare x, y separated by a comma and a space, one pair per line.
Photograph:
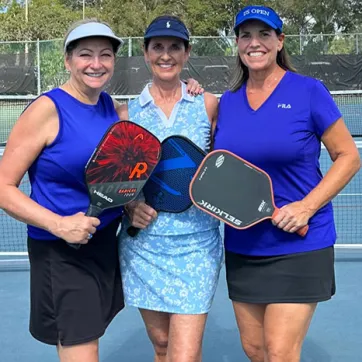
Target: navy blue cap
262, 13
167, 26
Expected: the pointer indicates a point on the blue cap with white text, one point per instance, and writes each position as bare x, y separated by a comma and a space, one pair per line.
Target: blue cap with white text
262, 13
167, 26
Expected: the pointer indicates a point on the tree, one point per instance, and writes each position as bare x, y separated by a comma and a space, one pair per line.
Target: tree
12, 23
315, 17
57, 16
47, 19
50, 19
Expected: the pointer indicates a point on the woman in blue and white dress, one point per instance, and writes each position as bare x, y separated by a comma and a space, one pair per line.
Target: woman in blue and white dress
171, 269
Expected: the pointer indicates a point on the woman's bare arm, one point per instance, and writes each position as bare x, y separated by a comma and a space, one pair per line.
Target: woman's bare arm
35, 129
346, 163
212, 104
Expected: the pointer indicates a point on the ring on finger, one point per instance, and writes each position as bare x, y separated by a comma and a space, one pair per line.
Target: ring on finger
89, 236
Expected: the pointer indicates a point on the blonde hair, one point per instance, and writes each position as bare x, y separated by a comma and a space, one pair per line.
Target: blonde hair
72, 45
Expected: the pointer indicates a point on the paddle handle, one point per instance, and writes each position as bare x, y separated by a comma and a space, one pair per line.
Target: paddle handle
93, 211
74, 246
302, 231
133, 231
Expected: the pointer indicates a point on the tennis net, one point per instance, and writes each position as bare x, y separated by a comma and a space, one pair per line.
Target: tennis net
347, 211
349, 102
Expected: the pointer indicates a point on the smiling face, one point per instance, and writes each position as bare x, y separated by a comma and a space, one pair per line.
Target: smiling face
258, 45
91, 63
166, 57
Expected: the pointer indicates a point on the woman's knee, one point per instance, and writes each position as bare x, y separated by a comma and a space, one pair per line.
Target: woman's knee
253, 349
160, 343
157, 326
282, 352
87, 352
250, 319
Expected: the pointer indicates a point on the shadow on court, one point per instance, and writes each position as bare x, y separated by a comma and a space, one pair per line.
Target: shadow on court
335, 334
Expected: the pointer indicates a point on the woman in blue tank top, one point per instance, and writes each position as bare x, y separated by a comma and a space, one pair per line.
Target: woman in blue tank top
74, 293
277, 119
170, 270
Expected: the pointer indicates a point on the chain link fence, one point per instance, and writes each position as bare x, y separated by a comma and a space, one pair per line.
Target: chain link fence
45, 58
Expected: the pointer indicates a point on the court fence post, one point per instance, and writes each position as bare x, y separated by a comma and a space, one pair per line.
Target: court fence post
38, 66
129, 47
357, 44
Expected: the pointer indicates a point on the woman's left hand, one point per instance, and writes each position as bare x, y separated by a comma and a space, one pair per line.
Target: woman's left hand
292, 217
193, 87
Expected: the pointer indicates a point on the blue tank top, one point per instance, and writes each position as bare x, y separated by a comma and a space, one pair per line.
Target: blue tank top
57, 175
188, 118
282, 137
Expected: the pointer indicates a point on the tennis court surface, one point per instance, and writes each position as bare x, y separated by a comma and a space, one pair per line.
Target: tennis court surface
335, 334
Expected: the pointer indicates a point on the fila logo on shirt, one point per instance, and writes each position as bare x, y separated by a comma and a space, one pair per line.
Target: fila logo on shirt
284, 106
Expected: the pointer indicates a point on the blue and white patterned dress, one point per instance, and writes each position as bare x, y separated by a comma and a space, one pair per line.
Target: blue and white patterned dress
173, 265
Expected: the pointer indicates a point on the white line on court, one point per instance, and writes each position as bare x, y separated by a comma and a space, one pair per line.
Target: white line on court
13, 253
14, 260
349, 195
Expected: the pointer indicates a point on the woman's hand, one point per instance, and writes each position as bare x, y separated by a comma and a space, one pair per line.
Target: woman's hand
193, 87
76, 229
292, 217
140, 214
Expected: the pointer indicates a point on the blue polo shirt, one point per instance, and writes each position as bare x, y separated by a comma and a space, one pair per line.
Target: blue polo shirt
283, 137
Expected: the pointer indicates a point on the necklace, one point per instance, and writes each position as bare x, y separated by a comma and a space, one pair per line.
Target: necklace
265, 88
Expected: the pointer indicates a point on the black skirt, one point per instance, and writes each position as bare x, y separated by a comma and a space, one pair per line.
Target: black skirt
75, 294
294, 278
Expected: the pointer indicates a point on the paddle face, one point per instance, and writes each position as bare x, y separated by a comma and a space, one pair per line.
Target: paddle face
168, 187
120, 166
232, 190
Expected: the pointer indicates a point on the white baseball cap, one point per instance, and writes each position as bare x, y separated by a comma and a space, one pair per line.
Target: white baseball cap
89, 30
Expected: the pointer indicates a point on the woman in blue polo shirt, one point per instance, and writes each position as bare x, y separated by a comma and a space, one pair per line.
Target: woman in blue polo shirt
171, 268
277, 119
